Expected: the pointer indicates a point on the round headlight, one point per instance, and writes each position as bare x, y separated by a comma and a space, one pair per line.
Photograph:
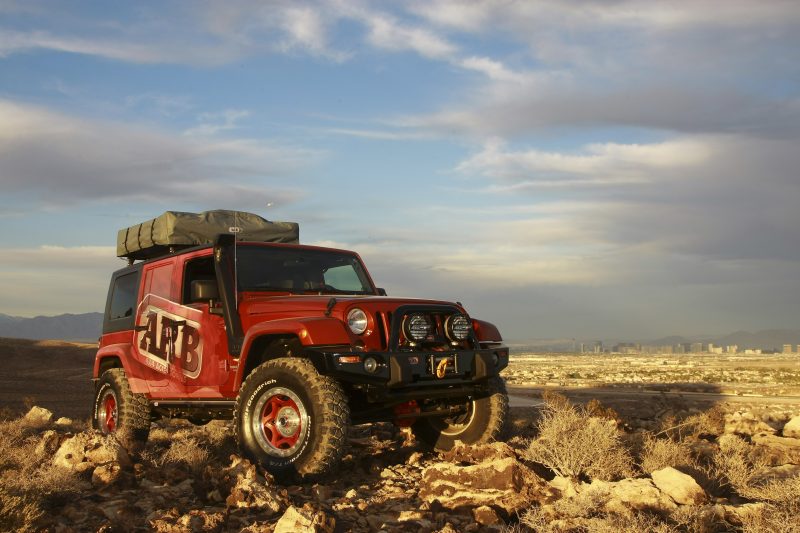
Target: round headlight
357, 321
458, 327
417, 327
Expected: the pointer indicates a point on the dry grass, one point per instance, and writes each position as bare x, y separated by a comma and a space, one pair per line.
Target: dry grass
188, 451
574, 444
29, 485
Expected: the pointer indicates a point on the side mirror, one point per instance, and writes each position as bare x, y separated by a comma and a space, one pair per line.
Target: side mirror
381, 292
204, 290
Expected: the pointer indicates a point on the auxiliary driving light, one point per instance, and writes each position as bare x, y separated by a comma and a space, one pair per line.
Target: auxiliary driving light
457, 327
417, 327
370, 364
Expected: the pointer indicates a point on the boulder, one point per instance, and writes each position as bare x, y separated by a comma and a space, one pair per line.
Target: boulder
170, 521
746, 423
48, 445
503, 484
792, 428
307, 519
37, 417
737, 514
86, 451
679, 486
486, 516
632, 494
771, 473
250, 490
107, 474
784, 449
479, 453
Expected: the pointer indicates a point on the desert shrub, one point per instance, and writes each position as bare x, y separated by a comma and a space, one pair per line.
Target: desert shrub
540, 520
659, 453
188, 451
739, 464
711, 422
574, 444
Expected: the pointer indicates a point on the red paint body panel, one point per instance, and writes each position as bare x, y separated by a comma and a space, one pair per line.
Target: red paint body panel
486, 332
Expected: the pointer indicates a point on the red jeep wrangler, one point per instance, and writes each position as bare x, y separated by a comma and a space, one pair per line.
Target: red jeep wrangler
292, 342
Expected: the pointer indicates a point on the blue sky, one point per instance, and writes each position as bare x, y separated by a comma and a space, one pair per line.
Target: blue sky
586, 169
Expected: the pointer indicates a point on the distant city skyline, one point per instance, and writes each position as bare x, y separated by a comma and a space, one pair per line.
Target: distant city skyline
592, 170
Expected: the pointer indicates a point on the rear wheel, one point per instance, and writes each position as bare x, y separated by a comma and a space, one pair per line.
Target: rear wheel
120, 412
291, 419
484, 421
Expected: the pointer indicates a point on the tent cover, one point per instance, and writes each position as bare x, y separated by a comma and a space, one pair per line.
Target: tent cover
175, 229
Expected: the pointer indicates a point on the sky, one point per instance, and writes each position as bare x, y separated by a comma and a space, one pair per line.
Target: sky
584, 169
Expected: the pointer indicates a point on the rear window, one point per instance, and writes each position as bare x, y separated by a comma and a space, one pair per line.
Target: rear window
123, 296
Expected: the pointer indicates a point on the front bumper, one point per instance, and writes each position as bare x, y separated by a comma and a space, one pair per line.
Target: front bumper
399, 370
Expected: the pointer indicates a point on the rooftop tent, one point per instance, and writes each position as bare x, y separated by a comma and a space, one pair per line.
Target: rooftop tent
176, 229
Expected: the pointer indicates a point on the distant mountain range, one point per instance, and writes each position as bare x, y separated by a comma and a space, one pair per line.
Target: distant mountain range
82, 327
768, 339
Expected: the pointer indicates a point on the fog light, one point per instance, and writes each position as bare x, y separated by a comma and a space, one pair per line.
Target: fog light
370, 364
495, 359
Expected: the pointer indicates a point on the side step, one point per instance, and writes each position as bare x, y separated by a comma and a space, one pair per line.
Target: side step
194, 410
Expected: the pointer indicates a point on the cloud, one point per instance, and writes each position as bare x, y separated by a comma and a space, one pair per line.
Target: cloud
55, 279
61, 160
711, 198
598, 164
213, 123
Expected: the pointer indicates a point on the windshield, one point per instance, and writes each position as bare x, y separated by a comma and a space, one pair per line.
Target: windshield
300, 271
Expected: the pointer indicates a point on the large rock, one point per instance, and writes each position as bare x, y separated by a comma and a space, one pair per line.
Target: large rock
86, 451
503, 484
746, 423
632, 494
250, 490
771, 473
37, 417
304, 520
474, 454
792, 428
784, 449
679, 486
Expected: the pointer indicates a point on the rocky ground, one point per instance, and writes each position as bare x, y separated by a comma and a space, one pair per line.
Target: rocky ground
59, 476
643, 459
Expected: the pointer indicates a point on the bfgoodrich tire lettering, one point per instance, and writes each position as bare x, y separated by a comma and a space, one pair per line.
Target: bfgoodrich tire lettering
120, 412
291, 419
485, 421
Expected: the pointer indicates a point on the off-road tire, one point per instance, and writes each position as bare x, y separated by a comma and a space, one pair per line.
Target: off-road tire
296, 387
130, 412
485, 422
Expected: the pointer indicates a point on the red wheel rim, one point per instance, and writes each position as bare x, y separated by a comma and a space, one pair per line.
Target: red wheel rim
281, 422
110, 411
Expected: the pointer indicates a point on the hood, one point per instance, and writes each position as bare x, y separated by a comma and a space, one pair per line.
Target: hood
260, 307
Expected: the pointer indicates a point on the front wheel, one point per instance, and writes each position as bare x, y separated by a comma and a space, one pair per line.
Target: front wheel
291, 419
120, 412
484, 421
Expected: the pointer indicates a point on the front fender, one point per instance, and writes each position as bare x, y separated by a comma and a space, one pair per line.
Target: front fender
310, 331
486, 332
